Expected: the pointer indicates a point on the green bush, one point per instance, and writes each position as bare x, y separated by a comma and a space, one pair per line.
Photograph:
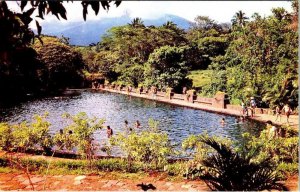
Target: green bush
111, 164
175, 169
31, 135
71, 164
6, 137
32, 164
282, 150
148, 147
226, 170
79, 134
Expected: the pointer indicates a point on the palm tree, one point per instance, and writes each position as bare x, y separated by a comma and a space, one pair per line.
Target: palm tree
280, 13
170, 25
227, 170
137, 23
239, 19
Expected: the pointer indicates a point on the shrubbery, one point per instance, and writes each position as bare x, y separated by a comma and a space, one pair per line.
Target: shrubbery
35, 135
148, 146
25, 136
257, 163
284, 151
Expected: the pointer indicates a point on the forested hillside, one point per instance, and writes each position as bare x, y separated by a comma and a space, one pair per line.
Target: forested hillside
255, 56
87, 32
251, 56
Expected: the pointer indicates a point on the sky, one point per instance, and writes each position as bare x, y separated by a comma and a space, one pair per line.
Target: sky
220, 11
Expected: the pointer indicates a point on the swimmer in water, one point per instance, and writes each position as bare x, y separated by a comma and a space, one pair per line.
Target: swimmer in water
109, 132
223, 121
137, 124
237, 120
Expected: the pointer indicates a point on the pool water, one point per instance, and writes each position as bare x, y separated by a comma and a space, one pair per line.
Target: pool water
177, 122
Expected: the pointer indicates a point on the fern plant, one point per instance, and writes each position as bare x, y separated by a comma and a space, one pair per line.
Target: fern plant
226, 170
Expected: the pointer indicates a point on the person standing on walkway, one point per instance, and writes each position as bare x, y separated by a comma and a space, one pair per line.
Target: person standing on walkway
252, 106
141, 90
277, 112
243, 108
184, 90
287, 110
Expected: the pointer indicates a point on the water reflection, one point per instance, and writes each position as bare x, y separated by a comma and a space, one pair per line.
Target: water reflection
177, 122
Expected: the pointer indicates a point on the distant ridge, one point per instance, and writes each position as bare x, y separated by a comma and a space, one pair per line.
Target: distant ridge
85, 33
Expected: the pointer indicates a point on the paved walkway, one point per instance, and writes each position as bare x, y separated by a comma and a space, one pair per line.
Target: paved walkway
14, 181
293, 121
11, 181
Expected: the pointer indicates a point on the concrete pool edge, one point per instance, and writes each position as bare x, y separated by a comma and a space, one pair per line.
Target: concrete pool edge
294, 119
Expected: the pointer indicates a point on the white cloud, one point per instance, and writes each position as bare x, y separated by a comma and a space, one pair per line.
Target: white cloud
220, 11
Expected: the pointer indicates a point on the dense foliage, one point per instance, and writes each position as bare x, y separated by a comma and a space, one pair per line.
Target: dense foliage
34, 135
226, 170
261, 50
26, 135
124, 50
132, 54
79, 134
148, 147
167, 67
242, 55
257, 163
20, 71
283, 150
62, 65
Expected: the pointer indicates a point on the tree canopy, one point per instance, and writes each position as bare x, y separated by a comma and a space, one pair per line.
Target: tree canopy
252, 56
261, 60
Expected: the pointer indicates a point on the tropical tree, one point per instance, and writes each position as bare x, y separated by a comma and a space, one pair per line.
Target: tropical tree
124, 50
62, 65
239, 19
204, 23
264, 51
207, 39
19, 68
167, 67
137, 23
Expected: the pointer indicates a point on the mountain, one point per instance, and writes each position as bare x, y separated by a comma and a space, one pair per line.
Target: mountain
85, 33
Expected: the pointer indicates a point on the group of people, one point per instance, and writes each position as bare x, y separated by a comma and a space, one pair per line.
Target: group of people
250, 106
240, 119
128, 129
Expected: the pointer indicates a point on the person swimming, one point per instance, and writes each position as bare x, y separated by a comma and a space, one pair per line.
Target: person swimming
223, 121
109, 132
237, 120
127, 128
137, 124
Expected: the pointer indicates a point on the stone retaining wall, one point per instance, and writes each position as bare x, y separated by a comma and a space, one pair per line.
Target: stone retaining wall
218, 101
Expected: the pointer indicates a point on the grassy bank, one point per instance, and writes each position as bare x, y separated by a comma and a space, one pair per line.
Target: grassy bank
200, 78
112, 167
